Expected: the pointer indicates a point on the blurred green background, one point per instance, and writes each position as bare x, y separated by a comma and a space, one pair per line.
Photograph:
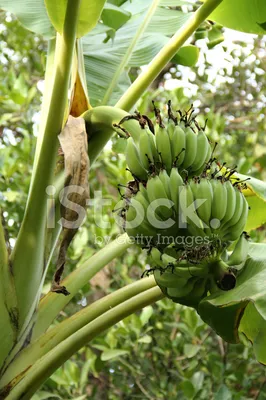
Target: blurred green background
165, 351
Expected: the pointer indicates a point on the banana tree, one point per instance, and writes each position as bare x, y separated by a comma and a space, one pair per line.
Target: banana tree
117, 36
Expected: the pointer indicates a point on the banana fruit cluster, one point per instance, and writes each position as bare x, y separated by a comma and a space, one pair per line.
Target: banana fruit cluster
188, 283
183, 207
171, 146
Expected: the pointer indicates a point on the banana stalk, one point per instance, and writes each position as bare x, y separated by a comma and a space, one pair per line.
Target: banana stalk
45, 366
69, 326
28, 256
51, 304
8, 301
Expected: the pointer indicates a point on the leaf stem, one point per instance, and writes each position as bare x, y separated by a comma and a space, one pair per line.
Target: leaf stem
45, 366
28, 255
129, 51
70, 325
3, 249
8, 300
51, 304
143, 81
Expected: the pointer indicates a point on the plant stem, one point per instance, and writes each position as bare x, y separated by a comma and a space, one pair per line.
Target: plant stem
48, 79
139, 86
69, 326
8, 300
28, 255
45, 366
129, 51
51, 304
3, 246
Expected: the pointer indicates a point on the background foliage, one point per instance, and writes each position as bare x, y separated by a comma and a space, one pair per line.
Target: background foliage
166, 351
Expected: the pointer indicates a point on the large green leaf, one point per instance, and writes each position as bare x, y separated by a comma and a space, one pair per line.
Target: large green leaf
35, 14
243, 15
32, 14
104, 59
256, 197
114, 16
242, 309
89, 14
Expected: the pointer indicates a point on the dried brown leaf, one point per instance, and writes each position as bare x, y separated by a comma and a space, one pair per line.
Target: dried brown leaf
74, 145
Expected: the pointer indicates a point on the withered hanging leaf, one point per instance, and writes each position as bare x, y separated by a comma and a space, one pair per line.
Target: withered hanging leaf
73, 141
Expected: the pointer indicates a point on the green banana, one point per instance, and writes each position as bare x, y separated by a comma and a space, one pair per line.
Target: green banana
142, 200
145, 150
143, 190
191, 148
133, 161
176, 182
240, 252
171, 129
156, 258
239, 204
186, 201
198, 292
219, 201
154, 150
201, 169
185, 269
203, 148
140, 226
230, 202
165, 179
178, 143
177, 292
202, 190
166, 259
234, 231
156, 193
169, 279
164, 147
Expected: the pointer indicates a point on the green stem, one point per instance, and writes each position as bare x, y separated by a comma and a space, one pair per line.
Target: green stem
28, 255
139, 86
99, 120
129, 51
45, 366
48, 79
99, 127
51, 304
69, 326
8, 300
3, 246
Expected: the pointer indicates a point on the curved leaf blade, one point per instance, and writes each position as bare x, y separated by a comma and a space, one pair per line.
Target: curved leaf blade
114, 16
103, 59
256, 197
242, 15
89, 14
32, 14
242, 309
187, 55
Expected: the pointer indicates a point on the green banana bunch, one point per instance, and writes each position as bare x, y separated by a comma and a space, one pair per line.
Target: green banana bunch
188, 289
178, 185
183, 193
162, 147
